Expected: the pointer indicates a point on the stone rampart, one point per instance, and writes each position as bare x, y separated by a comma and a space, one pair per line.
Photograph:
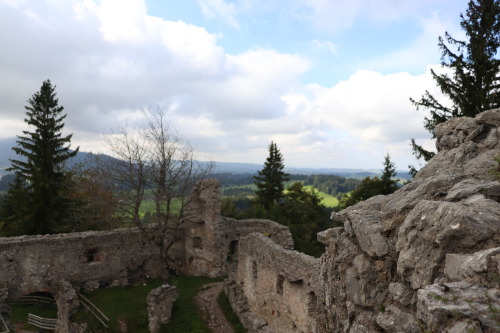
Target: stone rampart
279, 287
425, 258
88, 260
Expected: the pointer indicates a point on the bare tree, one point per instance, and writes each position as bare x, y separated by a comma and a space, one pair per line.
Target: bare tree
154, 163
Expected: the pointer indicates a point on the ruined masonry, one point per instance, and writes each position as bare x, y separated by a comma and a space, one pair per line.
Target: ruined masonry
423, 259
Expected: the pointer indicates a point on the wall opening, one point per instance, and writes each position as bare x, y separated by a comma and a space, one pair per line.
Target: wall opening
92, 255
41, 304
255, 272
197, 243
279, 284
233, 250
311, 303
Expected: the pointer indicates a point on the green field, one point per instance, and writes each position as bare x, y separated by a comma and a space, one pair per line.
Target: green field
243, 191
326, 199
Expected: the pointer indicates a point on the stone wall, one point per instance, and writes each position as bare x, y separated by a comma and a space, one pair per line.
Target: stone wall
65, 263
87, 259
279, 287
427, 255
425, 258
212, 241
160, 302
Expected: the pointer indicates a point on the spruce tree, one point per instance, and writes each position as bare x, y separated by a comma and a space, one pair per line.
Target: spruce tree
270, 179
388, 184
44, 153
474, 82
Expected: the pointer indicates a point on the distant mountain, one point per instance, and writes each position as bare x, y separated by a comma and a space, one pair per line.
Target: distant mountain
7, 153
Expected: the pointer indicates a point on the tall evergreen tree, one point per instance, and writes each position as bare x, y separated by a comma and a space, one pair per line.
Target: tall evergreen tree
44, 152
388, 184
474, 83
270, 179
372, 186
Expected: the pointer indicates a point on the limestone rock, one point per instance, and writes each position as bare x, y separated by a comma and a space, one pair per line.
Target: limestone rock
434, 228
393, 320
479, 267
439, 305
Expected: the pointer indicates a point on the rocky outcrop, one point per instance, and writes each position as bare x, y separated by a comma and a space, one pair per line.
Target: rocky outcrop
427, 256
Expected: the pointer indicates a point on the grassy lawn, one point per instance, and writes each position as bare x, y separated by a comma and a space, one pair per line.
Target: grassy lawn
20, 312
125, 307
229, 313
186, 316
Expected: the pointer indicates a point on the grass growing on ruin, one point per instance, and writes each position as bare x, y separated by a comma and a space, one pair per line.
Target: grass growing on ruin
229, 313
186, 316
20, 312
125, 306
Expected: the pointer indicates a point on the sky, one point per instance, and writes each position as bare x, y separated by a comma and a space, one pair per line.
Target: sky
328, 80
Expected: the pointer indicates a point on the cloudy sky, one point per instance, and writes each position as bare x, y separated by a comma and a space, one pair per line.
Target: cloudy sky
328, 80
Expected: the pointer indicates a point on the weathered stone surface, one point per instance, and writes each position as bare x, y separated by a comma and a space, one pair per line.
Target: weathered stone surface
434, 228
441, 304
442, 227
363, 221
279, 285
479, 267
393, 320
159, 303
400, 293
464, 326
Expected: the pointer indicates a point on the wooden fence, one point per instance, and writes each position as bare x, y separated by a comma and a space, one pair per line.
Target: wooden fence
3, 325
93, 309
46, 323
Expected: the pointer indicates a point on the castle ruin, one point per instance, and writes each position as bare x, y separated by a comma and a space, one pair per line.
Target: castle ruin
424, 257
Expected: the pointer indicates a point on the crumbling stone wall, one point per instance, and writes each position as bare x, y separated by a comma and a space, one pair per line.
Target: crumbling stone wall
65, 263
87, 259
427, 255
425, 258
279, 287
160, 302
211, 241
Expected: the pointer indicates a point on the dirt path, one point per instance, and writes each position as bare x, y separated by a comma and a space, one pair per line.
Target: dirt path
210, 310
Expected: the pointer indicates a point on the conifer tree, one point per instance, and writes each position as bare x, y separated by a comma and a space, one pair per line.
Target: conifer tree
474, 83
44, 153
270, 179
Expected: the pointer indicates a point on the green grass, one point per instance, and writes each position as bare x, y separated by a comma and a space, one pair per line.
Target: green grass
126, 305
20, 312
326, 199
230, 315
186, 316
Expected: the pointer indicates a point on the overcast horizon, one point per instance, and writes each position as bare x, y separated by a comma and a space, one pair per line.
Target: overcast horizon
328, 81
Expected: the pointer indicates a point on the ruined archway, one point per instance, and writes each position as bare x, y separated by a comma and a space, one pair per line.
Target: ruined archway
34, 310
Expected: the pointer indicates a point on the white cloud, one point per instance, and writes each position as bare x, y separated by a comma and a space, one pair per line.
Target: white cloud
220, 9
229, 105
325, 45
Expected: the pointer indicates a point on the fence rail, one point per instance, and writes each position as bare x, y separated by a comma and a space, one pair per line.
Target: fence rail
92, 308
35, 299
46, 323
3, 325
